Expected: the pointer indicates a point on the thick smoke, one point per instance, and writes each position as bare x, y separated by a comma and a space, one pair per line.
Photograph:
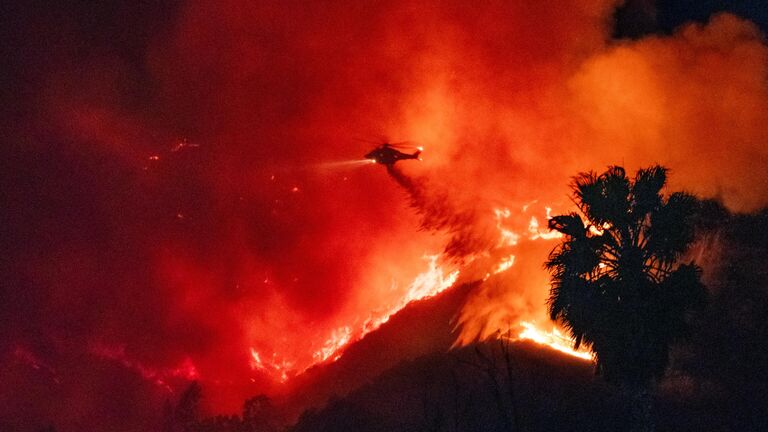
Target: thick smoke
694, 101
166, 212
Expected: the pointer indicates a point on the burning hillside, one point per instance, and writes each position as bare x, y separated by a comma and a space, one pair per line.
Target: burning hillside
185, 200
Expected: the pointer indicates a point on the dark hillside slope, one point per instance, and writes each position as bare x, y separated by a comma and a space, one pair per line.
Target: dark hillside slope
468, 390
421, 328
726, 362
718, 381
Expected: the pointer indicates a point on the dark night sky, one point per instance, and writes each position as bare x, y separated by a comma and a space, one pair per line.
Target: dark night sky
126, 276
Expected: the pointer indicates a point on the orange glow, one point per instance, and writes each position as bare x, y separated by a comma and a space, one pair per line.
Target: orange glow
505, 264
515, 285
507, 237
159, 376
332, 347
427, 284
537, 233
280, 369
553, 339
222, 198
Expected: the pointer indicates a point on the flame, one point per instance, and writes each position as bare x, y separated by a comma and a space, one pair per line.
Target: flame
332, 347
537, 233
505, 264
597, 230
553, 339
427, 284
507, 237
282, 368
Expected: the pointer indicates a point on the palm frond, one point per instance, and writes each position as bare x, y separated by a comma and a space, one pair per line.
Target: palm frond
585, 190
570, 225
646, 190
605, 198
671, 228
620, 292
683, 289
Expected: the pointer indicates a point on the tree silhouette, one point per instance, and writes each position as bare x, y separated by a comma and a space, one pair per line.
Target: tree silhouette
187, 412
616, 282
259, 415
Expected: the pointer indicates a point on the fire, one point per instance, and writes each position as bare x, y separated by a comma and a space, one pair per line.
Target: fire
282, 369
433, 281
332, 347
598, 230
537, 233
427, 284
505, 264
507, 236
553, 339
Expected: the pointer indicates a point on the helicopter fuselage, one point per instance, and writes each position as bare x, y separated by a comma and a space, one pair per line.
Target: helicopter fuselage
388, 155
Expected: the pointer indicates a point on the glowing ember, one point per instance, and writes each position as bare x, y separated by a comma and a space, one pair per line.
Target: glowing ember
553, 339
29, 358
182, 144
597, 230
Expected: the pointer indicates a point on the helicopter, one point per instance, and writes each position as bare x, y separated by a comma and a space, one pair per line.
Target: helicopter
388, 154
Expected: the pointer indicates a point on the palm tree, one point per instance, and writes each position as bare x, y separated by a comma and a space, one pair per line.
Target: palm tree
616, 282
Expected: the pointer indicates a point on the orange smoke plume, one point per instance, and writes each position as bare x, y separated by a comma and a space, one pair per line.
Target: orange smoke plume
251, 251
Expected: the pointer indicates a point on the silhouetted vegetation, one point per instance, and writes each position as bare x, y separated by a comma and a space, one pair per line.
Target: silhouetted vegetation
716, 379
726, 357
258, 415
467, 390
616, 283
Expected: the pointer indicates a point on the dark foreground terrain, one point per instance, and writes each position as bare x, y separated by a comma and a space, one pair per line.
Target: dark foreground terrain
405, 376
717, 380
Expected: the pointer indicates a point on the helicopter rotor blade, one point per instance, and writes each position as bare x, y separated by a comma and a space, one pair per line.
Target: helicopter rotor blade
406, 145
382, 142
377, 143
